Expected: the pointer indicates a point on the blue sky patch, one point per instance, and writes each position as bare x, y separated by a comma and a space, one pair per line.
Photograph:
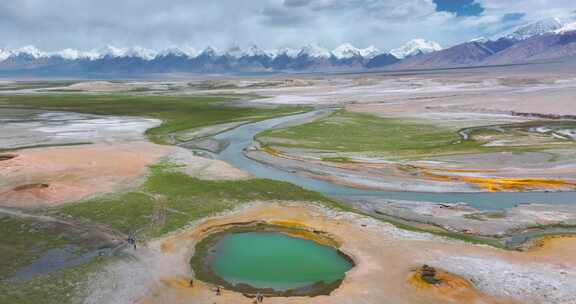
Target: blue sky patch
513, 17
459, 7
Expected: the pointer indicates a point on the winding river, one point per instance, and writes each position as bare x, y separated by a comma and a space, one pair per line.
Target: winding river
242, 137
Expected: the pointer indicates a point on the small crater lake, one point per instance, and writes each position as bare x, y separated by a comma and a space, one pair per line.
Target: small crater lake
275, 260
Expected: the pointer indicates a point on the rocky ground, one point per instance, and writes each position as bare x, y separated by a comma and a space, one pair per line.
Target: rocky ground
463, 218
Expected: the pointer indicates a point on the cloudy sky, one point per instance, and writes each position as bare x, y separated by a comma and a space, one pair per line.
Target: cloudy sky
89, 24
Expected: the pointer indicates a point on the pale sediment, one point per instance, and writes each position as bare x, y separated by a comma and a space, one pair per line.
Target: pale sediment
52, 176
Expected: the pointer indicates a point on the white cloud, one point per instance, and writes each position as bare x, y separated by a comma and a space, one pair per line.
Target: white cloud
58, 24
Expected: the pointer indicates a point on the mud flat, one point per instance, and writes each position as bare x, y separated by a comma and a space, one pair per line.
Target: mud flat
532, 171
384, 176
25, 128
430, 152
503, 225
385, 259
48, 177
52, 176
98, 86
205, 168
207, 131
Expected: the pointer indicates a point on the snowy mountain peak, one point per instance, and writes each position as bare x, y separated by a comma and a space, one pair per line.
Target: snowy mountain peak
252, 51
314, 51
30, 51
72, 54
568, 24
69, 54
480, 40
346, 51
112, 51
210, 51
532, 29
234, 51
416, 47
5, 54
143, 53
255, 50
569, 27
185, 51
136, 51
369, 52
290, 52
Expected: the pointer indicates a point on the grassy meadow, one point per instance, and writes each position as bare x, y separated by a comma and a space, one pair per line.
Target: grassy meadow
169, 200
400, 138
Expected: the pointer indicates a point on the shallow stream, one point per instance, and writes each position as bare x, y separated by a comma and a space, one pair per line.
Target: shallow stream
242, 137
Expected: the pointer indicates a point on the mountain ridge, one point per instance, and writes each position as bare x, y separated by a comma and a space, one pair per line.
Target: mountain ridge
111, 59
545, 39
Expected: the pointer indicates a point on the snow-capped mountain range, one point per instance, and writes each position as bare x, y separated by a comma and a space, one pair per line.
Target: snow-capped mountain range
344, 51
545, 39
138, 60
539, 27
532, 29
540, 40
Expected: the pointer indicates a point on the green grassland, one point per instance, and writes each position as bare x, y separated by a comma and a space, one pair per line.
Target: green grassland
178, 199
177, 113
398, 138
22, 243
63, 286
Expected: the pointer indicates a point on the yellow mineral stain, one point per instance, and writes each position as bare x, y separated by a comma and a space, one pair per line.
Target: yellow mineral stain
178, 282
287, 223
272, 151
167, 247
452, 288
496, 184
465, 170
